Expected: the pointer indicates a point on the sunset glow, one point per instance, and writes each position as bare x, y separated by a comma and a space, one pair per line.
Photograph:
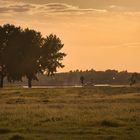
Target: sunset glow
98, 34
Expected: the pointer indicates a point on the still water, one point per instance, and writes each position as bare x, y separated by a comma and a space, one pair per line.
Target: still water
78, 86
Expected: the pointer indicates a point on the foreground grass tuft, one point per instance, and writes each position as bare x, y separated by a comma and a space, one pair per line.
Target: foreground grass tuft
17, 137
4, 131
109, 123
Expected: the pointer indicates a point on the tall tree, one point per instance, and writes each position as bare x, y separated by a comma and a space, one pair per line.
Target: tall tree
51, 56
8, 35
31, 43
2, 47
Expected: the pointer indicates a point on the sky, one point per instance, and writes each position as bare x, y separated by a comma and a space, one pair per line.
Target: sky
98, 34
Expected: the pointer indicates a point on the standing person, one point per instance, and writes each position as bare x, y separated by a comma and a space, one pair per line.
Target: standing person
82, 80
133, 79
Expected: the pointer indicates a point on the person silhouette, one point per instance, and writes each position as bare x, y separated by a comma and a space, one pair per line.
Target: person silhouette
82, 80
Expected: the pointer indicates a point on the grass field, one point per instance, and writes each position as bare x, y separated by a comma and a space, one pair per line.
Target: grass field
99, 113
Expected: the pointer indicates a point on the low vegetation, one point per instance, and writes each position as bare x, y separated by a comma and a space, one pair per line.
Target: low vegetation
100, 113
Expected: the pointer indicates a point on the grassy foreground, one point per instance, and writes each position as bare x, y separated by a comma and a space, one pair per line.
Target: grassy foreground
101, 113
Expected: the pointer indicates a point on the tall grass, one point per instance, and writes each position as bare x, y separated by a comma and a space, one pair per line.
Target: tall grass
70, 114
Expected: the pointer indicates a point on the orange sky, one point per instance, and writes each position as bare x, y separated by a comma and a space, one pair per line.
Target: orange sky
97, 34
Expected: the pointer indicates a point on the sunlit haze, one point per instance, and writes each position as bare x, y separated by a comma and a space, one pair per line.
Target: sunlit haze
98, 34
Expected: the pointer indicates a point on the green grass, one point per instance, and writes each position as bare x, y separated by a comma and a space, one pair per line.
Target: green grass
99, 113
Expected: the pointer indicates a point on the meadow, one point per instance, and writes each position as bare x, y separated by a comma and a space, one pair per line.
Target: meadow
97, 113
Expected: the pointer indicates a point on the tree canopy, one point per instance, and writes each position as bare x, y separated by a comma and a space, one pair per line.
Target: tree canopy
25, 53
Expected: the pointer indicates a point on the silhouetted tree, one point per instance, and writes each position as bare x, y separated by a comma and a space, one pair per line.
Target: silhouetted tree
14, 55
51, 56
30, 49
8, 50
2, 47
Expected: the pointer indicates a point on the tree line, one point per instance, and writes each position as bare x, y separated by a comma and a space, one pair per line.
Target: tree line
90, 77
26, 53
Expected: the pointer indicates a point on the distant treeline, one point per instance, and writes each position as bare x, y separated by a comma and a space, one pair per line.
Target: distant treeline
91, 77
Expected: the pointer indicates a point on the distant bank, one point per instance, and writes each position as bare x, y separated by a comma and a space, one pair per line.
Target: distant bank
77, 86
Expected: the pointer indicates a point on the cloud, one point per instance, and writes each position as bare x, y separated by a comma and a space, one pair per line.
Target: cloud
12, 7
4, 9
21, 8
65, 8
50, 8
116, 8
132, 45
16, 8
125, 45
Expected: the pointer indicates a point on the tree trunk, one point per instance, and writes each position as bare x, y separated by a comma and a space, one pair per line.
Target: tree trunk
1, 81
29, 82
